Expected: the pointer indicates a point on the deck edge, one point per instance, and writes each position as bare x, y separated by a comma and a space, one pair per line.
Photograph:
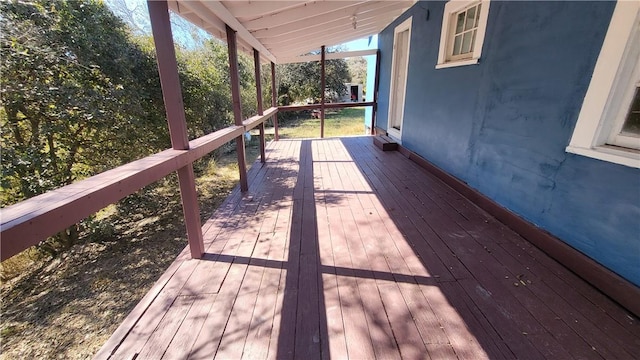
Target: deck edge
611, 284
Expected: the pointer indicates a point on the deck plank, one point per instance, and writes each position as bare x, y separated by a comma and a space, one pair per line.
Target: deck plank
183, 341
537, 307
342, 251
167, 328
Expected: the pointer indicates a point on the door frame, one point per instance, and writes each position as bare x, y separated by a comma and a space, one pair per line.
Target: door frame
396, 88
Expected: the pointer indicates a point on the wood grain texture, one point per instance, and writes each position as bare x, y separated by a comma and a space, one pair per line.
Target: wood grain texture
342, 251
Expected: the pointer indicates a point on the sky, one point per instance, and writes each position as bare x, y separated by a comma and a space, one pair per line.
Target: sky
362, 44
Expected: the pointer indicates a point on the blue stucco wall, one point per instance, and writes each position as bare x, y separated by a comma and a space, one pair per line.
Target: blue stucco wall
502, 125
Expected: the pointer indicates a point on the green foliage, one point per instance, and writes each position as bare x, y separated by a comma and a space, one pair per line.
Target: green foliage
68, 72
358, 70
205, 89
80, 95
299, 81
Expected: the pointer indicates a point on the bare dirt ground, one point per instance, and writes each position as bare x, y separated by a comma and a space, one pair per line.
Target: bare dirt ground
67, 307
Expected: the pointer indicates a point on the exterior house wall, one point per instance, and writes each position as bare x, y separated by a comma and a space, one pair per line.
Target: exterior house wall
502, 125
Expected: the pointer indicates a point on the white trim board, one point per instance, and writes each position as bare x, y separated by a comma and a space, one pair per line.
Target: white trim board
396, 89
620, 48
329, 56
451, 8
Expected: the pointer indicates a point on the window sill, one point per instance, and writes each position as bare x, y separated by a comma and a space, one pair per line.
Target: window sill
626, 157
457, 63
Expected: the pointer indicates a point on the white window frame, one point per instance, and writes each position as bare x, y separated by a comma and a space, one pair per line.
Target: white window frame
392, 132
609, 94
446, 34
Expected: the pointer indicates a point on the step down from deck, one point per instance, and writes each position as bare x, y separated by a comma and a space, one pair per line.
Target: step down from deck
385, 143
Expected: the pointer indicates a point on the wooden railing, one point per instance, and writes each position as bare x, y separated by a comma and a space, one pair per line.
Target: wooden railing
323, 106
28, 222
326, 106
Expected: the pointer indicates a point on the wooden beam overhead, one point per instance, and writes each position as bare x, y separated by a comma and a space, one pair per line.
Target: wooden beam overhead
309, 10
362, 13
285, 29
251, 10
329, 56
223, 14
302, 47
312, 34
204, 13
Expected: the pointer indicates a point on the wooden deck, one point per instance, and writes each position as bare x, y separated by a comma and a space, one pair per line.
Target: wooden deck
342, 251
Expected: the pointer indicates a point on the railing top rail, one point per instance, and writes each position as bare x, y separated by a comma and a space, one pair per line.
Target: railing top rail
326, 106
30, 221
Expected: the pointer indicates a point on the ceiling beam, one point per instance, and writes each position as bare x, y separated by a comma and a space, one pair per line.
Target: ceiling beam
362, 13
223, 14
194, 7
328, 56
309, 10
338, 36
303, 48
304, 35
251, 10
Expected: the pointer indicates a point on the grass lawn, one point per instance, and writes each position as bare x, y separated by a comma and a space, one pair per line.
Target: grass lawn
341, 122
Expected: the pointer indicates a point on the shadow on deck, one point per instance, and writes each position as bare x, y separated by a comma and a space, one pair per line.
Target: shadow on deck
343, 251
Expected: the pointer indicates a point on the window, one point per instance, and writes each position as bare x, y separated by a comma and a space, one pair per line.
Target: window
463, 28
626, 130
608, 127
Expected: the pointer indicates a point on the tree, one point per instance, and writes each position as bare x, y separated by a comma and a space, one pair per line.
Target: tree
299, 81
76, 97
206, 87
135, 14
80, 95
358, 70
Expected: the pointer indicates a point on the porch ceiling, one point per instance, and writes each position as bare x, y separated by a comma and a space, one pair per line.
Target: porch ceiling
284, 30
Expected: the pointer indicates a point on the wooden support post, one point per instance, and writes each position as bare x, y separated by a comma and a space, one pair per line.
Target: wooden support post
322, 86
376, 87
172, 95
256, 61
274, 100
237, 106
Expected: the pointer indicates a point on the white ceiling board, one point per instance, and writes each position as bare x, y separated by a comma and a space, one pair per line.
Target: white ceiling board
320, 31
363, 13
198, 9
305, 49
286, 29
223, 14
339, 37
328, 56
251, 10
309, 10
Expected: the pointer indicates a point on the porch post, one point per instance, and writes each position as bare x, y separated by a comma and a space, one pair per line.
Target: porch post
237, 106
172, 95
322, 86
256, 61
274, 100
376, 83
